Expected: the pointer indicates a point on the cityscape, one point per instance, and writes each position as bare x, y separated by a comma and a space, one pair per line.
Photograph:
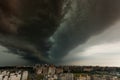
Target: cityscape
64, 72
37, 37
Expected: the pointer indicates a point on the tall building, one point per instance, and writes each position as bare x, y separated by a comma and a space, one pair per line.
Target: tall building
1, 76
51, 70
5, 78
39, 71
45, 70
25, 75
4, 73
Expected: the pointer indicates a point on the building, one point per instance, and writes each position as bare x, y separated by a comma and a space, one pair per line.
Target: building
1, 76
25, 75
5, 78
44, 70
39, 71
66, 76
59, 70
51, 70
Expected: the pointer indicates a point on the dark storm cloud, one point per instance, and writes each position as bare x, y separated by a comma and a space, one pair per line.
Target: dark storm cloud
9, 15
26, 25
87, 18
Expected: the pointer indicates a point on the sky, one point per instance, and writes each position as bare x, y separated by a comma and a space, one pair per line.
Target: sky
102, 49
89, 26
10, 59
80, 32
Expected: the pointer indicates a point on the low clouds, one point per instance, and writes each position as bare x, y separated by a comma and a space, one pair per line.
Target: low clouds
101, 54
8, 58
102, 49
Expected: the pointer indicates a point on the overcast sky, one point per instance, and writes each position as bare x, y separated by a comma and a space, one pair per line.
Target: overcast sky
7, 58
102, 49
85, 35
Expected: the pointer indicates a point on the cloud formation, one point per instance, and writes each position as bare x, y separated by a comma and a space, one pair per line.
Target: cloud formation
27, 25
102, 49
87, 18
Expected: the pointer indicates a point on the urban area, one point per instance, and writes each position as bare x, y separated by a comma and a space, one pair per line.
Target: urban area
52, 72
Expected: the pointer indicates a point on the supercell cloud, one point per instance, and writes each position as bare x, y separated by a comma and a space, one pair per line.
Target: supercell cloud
47, 31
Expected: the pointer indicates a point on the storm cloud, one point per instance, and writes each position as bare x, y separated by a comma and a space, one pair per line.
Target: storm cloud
26, 25
47, 30
86, 18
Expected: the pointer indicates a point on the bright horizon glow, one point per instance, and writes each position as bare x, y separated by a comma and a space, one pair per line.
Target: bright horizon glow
102, 55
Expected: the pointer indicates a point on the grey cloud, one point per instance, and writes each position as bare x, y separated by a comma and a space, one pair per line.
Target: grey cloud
87, 19
39, 20
26, 25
